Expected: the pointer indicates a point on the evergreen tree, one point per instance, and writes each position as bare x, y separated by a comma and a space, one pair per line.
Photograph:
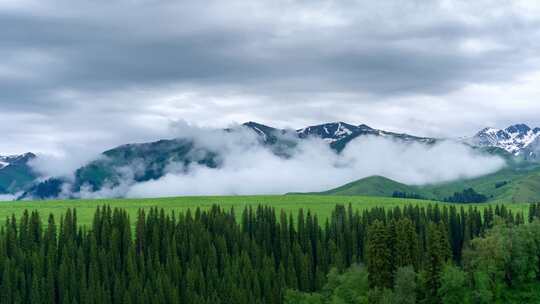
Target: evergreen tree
379, 257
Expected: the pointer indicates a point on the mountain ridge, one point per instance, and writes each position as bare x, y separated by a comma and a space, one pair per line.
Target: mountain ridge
16, 172
519, 140
153, 157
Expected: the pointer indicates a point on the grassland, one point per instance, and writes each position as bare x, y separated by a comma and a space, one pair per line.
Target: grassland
321, 205
515, 184
372, 186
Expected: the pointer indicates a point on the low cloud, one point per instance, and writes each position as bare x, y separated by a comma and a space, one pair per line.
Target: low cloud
7, 197
246, 166
64, 164
315, 167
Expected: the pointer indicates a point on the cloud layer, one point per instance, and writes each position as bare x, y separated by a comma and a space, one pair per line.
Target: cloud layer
104, 73
316, 168
249, 167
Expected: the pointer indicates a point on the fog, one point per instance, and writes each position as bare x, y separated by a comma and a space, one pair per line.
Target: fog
313, 166
64, 163
249, 167
7, 197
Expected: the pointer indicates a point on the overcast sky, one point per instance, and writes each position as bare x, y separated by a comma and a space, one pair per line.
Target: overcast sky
93, 74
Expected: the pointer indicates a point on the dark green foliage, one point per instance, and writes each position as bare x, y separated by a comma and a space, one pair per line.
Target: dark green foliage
466, 196
534, 212
453, 286
405, 286
500, 184
379, 255
411, 195
500, 266
47, 189
350, 287
216, 256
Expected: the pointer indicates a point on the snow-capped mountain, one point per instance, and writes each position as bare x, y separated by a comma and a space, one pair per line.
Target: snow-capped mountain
332, 132
519, 140
15, 159
337, 134
15, 173
267, 134
152, 158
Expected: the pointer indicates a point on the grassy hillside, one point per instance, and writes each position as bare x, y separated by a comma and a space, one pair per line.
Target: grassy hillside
523, 190
371, 186
319, 204
15, 177
516, 184
512, 185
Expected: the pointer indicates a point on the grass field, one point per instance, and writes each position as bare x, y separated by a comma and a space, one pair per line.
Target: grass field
514, 184
321, 205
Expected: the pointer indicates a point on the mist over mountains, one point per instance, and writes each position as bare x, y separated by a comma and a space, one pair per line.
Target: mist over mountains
257, 159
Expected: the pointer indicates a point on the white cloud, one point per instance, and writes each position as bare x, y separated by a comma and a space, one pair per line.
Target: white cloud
315, 167
102, 74
8, 197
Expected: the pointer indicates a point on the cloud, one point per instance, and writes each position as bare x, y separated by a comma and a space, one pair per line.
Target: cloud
316, 46
107, 73
8, 197
65, 164
315, 167
246, 166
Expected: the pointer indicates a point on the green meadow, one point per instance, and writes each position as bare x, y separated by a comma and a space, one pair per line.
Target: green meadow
319, 204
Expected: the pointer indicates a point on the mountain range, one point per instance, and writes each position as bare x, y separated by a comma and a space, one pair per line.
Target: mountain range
519, 140
336, 134
15, 173
152, 159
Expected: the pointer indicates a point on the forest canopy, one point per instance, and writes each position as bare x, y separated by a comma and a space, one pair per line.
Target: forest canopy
261, 255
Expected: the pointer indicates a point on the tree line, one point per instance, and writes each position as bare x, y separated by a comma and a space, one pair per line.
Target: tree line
412, 195
501, 265
218, 256
468, 195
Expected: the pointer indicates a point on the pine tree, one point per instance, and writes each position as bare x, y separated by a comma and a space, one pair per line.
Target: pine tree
436, 255
379, 257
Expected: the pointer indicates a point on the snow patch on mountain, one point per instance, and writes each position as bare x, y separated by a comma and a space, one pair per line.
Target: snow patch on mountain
518, 139
6, 160
329, 132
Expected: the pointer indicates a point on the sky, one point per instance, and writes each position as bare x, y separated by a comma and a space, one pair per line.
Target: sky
85, 76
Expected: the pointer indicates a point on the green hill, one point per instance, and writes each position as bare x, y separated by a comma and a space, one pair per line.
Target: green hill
524, 190
518, 184
515, 184
372, 186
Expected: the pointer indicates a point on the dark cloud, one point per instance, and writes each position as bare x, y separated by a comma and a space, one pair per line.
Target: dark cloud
141, 63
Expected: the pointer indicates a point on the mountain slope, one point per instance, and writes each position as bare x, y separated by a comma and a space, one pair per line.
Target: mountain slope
339, 134
371, 186
524, 190
332, 132
132, 162
519, 140
15, 173
498, 186
268, 135
141, 162
519, 184
150, 161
